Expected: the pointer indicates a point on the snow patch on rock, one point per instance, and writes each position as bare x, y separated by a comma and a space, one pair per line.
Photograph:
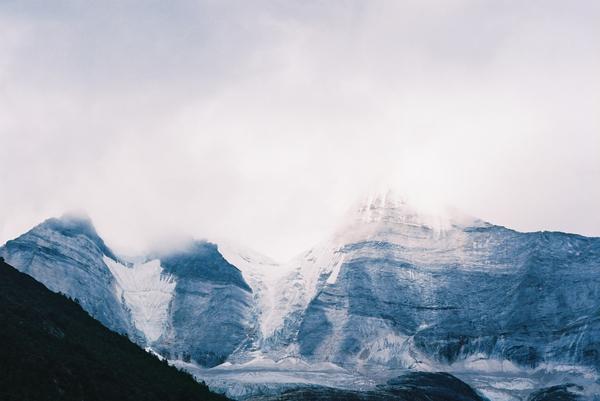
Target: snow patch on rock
147, 293
262, 275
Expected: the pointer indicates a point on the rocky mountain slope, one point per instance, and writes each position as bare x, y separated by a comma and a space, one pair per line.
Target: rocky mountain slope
188, 304
399, 289
53, 350
392, 289
68, 256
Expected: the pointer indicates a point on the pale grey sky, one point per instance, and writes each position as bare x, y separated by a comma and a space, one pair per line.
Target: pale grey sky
261, 121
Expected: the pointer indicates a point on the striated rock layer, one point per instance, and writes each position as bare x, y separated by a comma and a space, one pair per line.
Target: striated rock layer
399, 289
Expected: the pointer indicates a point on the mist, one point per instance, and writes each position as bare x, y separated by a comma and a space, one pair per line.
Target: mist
262, 122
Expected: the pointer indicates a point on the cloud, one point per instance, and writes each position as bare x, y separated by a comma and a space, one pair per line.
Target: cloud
263, 121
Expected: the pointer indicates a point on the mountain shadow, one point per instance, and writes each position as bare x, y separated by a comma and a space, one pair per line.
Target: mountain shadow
51, 349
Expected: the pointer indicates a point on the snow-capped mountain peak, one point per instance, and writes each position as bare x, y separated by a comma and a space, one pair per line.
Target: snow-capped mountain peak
389, 207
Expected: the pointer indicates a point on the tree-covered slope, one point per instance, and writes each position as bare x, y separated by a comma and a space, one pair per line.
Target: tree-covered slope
51, 349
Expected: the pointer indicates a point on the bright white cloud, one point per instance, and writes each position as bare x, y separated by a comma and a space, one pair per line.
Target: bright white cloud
263, 121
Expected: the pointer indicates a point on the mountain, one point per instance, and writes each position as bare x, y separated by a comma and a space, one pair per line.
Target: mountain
394, 289
67, 256
188, 304
51, 349
210, 314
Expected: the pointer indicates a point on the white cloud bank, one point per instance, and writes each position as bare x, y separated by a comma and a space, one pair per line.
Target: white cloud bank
262, 121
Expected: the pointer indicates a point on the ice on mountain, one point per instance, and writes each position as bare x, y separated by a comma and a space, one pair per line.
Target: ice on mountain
147, 291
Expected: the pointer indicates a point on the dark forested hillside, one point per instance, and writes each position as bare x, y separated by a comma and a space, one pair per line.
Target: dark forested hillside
51, 349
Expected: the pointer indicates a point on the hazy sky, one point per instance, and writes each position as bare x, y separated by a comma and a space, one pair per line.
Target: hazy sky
261, 121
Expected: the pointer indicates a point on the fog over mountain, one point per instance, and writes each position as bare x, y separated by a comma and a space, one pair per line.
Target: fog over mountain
263, 121
391, 294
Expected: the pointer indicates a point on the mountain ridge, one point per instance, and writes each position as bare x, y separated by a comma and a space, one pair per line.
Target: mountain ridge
390, 289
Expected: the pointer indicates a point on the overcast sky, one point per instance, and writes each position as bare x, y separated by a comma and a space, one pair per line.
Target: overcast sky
262, 121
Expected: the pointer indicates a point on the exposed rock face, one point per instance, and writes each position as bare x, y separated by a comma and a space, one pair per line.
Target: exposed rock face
67, 256
191, 304
210, 314
399, 289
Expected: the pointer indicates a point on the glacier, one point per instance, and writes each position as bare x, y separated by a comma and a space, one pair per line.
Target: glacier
392, 290
147, 292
